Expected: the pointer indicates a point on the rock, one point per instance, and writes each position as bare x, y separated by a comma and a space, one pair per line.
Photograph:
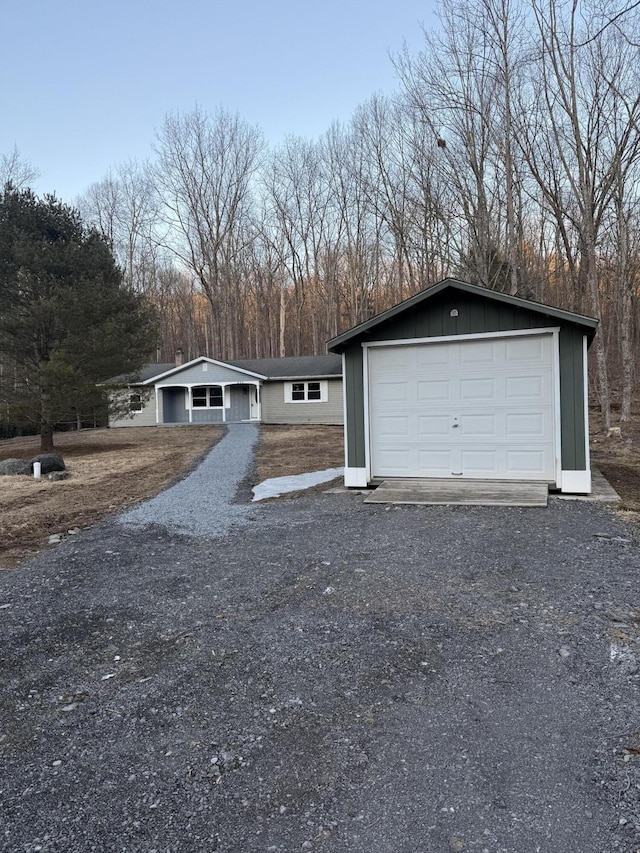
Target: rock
15, 467
58, 475
55, 538
48, 462
564, 651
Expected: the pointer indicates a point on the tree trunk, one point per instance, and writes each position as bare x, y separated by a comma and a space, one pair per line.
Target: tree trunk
283, 318
46, 423
626, 346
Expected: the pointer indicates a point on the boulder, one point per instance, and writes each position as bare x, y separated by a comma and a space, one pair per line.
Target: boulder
48, 462
12, 467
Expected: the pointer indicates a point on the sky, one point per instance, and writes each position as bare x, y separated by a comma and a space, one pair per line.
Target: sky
85, 84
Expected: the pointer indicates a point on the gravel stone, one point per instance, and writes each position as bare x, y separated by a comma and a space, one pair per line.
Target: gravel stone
201, 504
421, 706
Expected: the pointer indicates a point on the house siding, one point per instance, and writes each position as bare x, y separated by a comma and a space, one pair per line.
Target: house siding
175, 410
276, 411
147, 417
197, 375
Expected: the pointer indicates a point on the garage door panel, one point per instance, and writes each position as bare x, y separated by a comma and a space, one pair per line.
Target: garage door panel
478, 352
528, 462
432, 356
480, 463
434, 390
438, 461
530, 388
465, 408
478, 388
530, 349
528, 424
434, 425
392, 425
390, 460
472, 425
393, 392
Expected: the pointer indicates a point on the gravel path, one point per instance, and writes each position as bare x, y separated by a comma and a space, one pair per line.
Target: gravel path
202, 503
328, 676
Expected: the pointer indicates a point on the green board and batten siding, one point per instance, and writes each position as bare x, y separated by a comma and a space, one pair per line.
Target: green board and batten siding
572, 402
479, 311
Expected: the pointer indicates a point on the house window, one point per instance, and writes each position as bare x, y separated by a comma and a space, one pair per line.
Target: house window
298, 391
312, 391
207, 397
135, 402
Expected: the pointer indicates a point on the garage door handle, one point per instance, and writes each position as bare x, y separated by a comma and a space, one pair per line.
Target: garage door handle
455, 425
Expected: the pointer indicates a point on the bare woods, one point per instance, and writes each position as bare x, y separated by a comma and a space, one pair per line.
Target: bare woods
509, 156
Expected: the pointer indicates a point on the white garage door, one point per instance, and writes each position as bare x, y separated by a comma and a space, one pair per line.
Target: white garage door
477, 409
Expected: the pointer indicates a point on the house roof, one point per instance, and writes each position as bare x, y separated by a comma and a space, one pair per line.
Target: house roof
589, 324
293, 367
179, 368
137, 377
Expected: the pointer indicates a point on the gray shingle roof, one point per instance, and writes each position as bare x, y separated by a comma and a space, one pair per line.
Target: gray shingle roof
145, 372
293, 367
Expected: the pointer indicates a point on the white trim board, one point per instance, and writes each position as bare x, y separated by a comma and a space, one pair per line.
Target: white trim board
442, 339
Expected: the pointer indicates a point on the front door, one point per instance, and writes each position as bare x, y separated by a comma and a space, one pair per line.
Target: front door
254, 403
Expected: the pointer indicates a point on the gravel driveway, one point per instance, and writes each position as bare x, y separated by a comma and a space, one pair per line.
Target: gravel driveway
327, 675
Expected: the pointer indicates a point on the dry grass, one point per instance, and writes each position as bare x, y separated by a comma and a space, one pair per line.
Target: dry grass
110, 470
287, 450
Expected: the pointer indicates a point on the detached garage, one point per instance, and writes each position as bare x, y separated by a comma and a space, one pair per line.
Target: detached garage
464, 382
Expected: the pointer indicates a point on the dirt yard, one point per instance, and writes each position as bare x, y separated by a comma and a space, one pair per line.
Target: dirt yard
619, 461
113, 469
288, 450
110, 470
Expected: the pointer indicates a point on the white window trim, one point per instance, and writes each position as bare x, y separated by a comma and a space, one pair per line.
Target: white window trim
288, 391
189, 397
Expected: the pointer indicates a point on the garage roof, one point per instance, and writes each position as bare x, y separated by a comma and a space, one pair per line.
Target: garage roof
589, 324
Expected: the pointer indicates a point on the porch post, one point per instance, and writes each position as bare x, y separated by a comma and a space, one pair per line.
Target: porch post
224, 403
190, 390
157, 405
